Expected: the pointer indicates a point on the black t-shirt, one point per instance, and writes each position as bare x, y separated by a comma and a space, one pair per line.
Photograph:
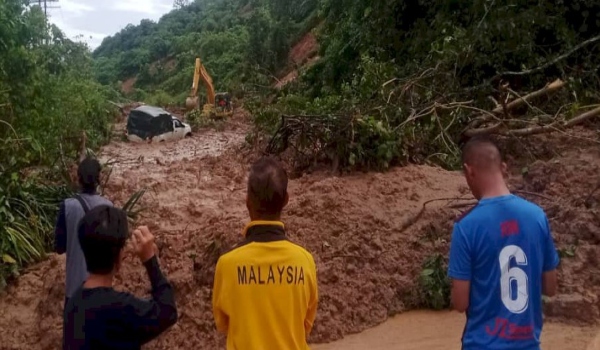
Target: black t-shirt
102, 318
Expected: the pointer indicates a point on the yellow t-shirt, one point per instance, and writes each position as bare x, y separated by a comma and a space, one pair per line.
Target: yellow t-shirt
265, 291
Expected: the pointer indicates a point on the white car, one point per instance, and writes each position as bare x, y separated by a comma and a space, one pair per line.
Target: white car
148, 123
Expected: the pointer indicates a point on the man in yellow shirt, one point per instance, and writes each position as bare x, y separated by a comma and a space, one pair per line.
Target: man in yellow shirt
265, 289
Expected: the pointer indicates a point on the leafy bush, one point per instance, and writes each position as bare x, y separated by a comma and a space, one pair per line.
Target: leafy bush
27, 208
161, 98
409, 77
434, 283
48, 98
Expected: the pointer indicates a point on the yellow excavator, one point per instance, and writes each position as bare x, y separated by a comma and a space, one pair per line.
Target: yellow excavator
217, 104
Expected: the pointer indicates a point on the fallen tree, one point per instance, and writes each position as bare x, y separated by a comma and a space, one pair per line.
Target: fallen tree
353, 138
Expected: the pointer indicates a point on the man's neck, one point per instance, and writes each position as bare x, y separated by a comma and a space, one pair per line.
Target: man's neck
265, 218
90, 191
498, 190
98, 281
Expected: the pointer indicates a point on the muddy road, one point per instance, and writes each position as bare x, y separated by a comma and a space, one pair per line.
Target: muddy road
419, 330
369, 232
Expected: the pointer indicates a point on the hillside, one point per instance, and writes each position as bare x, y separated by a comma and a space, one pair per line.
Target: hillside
241, 42
411, 77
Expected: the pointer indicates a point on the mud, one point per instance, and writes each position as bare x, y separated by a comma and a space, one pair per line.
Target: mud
128, 85
303, 54
304, 49
568, 179
418, 330
362, 230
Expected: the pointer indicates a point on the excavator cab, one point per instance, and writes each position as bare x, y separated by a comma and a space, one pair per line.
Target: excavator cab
223, 103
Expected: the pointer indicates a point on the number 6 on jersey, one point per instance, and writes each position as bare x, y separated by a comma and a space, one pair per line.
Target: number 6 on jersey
509, 275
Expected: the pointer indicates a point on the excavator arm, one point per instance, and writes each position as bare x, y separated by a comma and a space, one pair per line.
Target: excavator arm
210, 89
194, 91
201, 73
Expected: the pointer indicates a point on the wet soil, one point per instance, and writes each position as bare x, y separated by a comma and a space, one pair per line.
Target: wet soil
418, 330
369, 232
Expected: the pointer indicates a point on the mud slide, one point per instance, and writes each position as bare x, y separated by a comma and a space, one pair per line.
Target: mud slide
418, 330
595, 344
369, 232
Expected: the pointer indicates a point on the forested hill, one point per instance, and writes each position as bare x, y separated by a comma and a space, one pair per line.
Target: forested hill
395, 81
238, 41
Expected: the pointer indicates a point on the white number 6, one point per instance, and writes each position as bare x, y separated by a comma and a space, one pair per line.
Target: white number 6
508, 275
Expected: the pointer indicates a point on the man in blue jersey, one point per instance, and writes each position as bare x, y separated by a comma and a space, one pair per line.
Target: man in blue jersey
502, 258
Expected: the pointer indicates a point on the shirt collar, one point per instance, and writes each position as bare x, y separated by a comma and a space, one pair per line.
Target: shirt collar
263, 231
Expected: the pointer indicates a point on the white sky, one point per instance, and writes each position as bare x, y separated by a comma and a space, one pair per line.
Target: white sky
96, 19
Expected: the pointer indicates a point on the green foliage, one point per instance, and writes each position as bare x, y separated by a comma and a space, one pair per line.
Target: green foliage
399, 72
434, 283
27, 207
242, 43
132, 203
411, 76
161, 98
48, 97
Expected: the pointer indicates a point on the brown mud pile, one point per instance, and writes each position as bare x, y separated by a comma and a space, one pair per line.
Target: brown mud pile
304, 49
568, 179
302, 54
361, 229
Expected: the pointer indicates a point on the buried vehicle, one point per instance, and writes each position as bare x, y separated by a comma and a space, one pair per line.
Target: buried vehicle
148, 123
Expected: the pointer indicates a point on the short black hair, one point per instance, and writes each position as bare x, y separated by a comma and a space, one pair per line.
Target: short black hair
88, 173
267, 186
479, 150
103, 232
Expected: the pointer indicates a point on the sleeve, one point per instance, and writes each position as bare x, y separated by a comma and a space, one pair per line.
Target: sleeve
311, 313
60, 231
221, 318
154, 316
459, 267
551, 259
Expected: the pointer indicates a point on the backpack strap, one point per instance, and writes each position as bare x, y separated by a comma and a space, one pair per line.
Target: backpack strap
84, 205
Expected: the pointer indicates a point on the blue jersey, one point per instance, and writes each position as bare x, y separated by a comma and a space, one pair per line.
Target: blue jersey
502, 246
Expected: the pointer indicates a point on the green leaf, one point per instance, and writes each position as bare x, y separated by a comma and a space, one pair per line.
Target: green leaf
8, 259
427, 272
352, 159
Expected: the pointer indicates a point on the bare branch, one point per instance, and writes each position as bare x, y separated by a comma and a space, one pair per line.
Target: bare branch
583, 117
552, 62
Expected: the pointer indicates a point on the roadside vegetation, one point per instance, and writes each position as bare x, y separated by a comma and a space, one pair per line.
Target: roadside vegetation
401, 82
48, 97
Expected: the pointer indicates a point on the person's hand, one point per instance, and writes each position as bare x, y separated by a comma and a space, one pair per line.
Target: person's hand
143, 243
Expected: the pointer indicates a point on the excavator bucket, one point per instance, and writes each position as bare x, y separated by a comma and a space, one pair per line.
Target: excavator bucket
191, 103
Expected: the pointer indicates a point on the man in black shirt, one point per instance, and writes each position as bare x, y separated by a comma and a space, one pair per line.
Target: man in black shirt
97, 316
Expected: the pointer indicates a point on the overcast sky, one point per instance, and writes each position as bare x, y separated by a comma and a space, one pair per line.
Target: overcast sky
96, 19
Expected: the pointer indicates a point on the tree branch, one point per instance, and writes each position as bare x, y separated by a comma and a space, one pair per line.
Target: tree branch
552, 62
554, 126
505, 108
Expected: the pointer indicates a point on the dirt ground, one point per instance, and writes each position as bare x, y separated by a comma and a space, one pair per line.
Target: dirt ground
418, 330
303, 54
361, 228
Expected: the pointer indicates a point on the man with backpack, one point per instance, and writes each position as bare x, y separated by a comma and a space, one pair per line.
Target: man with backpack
71, 211
99, 317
